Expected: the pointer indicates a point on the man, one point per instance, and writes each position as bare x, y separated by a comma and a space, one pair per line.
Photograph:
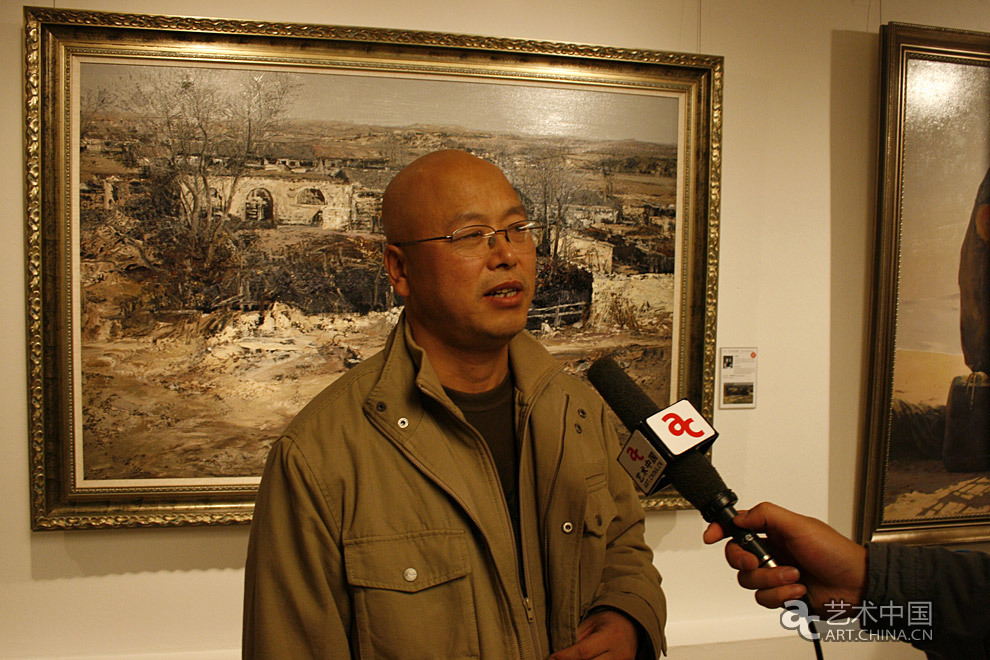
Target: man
456, 495
837, 574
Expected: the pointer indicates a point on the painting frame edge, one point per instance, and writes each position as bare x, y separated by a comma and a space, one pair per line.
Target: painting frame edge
48, 356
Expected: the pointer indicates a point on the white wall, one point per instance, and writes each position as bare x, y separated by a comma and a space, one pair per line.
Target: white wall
798, 193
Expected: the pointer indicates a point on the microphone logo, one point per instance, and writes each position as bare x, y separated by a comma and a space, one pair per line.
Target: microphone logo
678, 426
642, 461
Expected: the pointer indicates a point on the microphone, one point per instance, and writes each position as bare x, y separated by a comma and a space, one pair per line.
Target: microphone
667, 446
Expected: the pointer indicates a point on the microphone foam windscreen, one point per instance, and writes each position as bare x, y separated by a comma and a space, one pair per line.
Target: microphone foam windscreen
694, 477
621, 393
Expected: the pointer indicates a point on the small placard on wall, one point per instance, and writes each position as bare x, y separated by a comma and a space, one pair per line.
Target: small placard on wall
738, 378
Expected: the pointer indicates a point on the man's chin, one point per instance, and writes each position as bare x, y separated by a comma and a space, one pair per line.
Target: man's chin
503, 333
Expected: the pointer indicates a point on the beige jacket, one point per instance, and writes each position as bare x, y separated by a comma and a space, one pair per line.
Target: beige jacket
381, 530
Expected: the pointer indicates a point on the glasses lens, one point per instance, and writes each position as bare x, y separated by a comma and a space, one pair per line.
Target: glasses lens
471, 240
526, 233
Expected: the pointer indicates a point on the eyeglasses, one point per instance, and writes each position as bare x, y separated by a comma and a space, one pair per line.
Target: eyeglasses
477, 240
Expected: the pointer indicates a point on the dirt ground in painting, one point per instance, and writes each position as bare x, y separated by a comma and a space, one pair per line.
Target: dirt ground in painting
923, 488
174, 405
920, 487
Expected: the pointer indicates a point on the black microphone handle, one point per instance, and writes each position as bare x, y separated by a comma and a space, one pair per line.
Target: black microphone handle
722, 511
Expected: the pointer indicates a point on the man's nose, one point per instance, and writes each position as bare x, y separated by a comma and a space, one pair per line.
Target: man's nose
502, 252
493, 239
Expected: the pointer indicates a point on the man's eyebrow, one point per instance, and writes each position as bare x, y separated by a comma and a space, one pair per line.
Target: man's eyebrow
467, 216
473, 218
519, 209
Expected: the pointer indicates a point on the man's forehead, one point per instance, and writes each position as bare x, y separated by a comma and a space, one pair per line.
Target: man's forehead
446, 190
513, 213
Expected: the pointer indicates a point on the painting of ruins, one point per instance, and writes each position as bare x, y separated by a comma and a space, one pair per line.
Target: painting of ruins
230, 243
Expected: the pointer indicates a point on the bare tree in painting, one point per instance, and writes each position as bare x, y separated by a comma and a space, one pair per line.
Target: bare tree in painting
393, 152
606, 167
550, 182
204, 126
500, 153
92, 102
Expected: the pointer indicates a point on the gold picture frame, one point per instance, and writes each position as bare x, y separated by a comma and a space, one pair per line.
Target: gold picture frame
144, 246
935, 150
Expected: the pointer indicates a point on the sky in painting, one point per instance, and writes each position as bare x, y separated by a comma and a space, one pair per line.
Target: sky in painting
946, 154
579, 111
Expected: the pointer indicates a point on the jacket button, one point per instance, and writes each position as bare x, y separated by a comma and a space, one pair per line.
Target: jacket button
598, 519
403, 422
410, 574
567, 527
582, 413
381, 406
577, 427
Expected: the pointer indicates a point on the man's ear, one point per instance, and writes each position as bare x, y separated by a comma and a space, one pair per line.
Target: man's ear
395, 266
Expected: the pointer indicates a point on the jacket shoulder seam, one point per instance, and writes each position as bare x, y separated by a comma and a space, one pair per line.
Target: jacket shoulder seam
344, 385
292, 445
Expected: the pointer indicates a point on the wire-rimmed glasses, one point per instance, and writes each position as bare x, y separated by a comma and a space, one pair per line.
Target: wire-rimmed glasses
477, 240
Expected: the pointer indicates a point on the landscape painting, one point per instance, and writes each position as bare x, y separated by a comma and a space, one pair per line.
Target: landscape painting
230, 242
225, 246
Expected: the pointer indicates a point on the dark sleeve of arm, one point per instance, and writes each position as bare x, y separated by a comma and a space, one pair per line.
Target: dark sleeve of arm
630, 581
295, 602
956, 584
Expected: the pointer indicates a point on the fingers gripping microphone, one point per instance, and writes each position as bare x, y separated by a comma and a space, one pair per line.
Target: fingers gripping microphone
678, 437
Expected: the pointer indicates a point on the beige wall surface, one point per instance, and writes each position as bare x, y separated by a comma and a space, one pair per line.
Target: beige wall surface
799, 143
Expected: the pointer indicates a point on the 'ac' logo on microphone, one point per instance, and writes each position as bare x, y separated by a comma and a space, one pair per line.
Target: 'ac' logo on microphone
679, 426
634, 455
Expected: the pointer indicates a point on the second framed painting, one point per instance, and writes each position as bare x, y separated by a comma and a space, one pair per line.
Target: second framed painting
927, 455
204, 241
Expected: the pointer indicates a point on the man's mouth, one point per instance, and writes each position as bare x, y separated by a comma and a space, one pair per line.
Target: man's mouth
504, 290
502, 293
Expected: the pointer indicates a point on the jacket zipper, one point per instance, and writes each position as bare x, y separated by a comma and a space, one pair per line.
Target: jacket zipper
524, 572
517, 560
523, 425
550, 491
527, 603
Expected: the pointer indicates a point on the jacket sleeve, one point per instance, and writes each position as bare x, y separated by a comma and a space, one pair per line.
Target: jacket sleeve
630, 581
295, 603
952, 587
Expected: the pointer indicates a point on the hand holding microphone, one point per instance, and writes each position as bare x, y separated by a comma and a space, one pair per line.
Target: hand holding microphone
831, 567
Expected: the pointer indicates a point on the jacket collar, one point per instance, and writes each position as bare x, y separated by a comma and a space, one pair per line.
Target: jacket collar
405, 361
532, 366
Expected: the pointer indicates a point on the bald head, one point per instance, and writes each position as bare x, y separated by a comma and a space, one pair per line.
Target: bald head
420, 194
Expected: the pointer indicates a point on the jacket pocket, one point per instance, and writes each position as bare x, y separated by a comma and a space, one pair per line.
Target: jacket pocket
412, 595
598, 515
